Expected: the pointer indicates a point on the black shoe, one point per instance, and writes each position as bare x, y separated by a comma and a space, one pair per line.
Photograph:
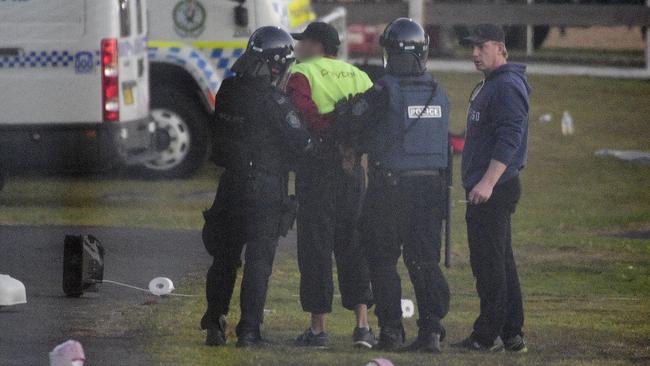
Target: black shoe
391, 339
515, 344
427, 342
363, 338
217, 336
309, 339
251, 339
470, 344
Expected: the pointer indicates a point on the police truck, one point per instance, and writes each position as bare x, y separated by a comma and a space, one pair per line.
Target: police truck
74, 84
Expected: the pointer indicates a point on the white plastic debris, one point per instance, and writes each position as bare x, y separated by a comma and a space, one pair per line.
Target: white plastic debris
545, 118
12, 291
567, 124
627, 155
69, 353
408, 308
380, 362
161, 286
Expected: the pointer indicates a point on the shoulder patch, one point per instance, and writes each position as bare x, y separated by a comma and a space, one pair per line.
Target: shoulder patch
293, 120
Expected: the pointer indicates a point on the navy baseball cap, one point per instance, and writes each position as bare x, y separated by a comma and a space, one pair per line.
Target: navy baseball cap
320, 32
483, 33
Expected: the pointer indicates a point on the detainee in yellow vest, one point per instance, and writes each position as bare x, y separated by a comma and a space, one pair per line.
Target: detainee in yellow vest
331, 80
326, 194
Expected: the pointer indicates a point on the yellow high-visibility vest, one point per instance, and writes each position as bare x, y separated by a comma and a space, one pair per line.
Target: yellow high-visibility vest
331, 80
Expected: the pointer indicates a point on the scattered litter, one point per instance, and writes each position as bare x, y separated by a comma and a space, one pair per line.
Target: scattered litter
268, 311
408, 309
380, 362
165, 290
12, 291
627, 155
161, 286
69, 353
567, 124
545, 118
83, 264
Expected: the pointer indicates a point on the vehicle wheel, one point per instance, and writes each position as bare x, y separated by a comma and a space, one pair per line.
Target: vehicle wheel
181, 137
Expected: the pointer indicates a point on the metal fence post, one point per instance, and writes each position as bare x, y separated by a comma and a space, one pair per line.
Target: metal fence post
647, 43
416, 10
529, 35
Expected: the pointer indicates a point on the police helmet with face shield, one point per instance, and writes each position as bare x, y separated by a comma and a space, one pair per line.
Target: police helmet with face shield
406, 47
269, 53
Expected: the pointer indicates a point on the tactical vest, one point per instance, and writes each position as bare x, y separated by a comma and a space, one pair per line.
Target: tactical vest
414, 132
331, 80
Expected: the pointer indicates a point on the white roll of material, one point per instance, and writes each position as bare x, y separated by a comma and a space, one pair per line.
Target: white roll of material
161, 286
408, 309
380, 362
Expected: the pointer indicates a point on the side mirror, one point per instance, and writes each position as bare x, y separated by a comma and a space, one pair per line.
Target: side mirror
241, 15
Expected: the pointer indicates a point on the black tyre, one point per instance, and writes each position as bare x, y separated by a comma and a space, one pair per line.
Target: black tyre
182, 135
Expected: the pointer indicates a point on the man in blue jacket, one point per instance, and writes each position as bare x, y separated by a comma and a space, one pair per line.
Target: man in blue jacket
495, 152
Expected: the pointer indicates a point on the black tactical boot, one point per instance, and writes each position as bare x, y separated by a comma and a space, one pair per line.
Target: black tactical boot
391, 339
471, 344
427, 342
251, 339
217, 336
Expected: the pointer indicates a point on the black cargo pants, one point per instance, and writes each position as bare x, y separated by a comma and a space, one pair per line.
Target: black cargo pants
493, 264
328, 206
406, 216
246, 212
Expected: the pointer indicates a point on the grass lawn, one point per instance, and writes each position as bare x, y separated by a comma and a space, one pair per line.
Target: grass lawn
587, 294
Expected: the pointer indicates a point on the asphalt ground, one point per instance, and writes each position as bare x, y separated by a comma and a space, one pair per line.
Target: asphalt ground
103, 321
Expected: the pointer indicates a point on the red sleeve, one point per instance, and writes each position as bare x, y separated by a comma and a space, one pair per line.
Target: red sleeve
300, 94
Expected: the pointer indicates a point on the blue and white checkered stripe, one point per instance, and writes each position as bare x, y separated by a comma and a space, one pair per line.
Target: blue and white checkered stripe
39, 59
209, 66
223, 58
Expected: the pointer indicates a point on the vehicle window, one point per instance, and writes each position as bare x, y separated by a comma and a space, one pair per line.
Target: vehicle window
43, 21
138, 11
125, 18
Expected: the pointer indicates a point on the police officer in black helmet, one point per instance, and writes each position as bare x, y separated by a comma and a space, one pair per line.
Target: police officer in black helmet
402, 123
258, 134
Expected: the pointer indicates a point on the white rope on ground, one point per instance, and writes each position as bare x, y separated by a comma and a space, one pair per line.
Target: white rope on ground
142, 289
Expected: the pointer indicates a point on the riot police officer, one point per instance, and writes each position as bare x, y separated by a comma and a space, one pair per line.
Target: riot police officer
402, 123
259, 134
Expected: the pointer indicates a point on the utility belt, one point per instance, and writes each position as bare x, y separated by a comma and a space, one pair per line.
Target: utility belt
389, 177
251, 168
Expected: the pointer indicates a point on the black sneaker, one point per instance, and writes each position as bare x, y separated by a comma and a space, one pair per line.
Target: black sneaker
217, 336
427, 342
470, 344
515, 344
391, 339
363, 338
309, 339
251, 339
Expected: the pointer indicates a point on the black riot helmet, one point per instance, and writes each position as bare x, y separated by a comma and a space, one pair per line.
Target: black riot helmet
269, 53
406, 47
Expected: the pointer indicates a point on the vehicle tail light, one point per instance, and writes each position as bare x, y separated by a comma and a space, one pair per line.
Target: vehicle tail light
110, 80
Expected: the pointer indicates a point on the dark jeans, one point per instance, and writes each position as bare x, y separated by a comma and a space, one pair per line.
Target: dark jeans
246, 212
406, 217
328, 205
493, 264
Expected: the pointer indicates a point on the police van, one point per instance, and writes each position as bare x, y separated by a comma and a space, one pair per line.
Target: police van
192, 45
74, 88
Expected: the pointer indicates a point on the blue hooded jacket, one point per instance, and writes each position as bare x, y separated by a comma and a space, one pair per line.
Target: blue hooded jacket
497, 125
